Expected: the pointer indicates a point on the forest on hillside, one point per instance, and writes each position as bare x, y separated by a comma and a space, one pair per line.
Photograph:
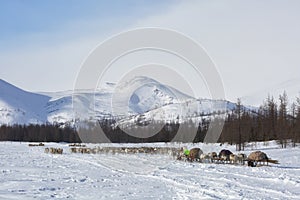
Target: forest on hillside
271, 121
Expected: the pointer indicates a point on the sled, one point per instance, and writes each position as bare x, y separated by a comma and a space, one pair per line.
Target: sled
260, 163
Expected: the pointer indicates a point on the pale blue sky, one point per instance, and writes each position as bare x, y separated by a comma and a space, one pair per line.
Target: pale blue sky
255, 44
46, 41
19, 19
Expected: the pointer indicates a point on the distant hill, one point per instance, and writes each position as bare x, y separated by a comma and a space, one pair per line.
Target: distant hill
150, 99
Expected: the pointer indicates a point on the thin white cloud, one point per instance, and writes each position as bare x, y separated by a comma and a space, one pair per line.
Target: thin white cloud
50, 61
255, 44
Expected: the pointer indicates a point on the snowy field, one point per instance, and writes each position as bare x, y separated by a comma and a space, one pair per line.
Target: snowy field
29, 173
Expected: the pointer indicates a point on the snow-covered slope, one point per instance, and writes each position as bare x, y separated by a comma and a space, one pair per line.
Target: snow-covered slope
149, 98
29, 173
19, 106
148, 94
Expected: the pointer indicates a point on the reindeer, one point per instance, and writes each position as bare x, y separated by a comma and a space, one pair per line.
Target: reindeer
233, 158
73, 150
205, 158
224, 155
59, 151
195, 154
46, 150
213, 156
54, 150
241, 158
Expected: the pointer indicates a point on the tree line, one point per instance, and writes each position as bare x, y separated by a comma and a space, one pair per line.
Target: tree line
271, 121
38, 133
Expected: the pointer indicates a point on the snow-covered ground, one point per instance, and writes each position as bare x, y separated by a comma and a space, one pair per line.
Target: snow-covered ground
29, 173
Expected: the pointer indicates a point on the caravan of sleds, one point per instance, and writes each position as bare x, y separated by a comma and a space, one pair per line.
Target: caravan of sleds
255, 159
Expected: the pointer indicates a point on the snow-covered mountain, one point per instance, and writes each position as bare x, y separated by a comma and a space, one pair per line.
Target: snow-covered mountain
141, 97
19, 106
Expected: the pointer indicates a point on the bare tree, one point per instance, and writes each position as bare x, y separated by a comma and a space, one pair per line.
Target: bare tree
282, 119
238, 112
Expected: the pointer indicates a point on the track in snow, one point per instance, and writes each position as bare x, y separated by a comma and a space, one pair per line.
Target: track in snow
31, 174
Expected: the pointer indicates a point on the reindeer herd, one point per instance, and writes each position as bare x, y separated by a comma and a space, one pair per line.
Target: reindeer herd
125, 150
54, 150
225, 156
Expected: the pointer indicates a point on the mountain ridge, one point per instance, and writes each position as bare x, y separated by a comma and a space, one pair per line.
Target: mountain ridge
149, 98
16, 103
